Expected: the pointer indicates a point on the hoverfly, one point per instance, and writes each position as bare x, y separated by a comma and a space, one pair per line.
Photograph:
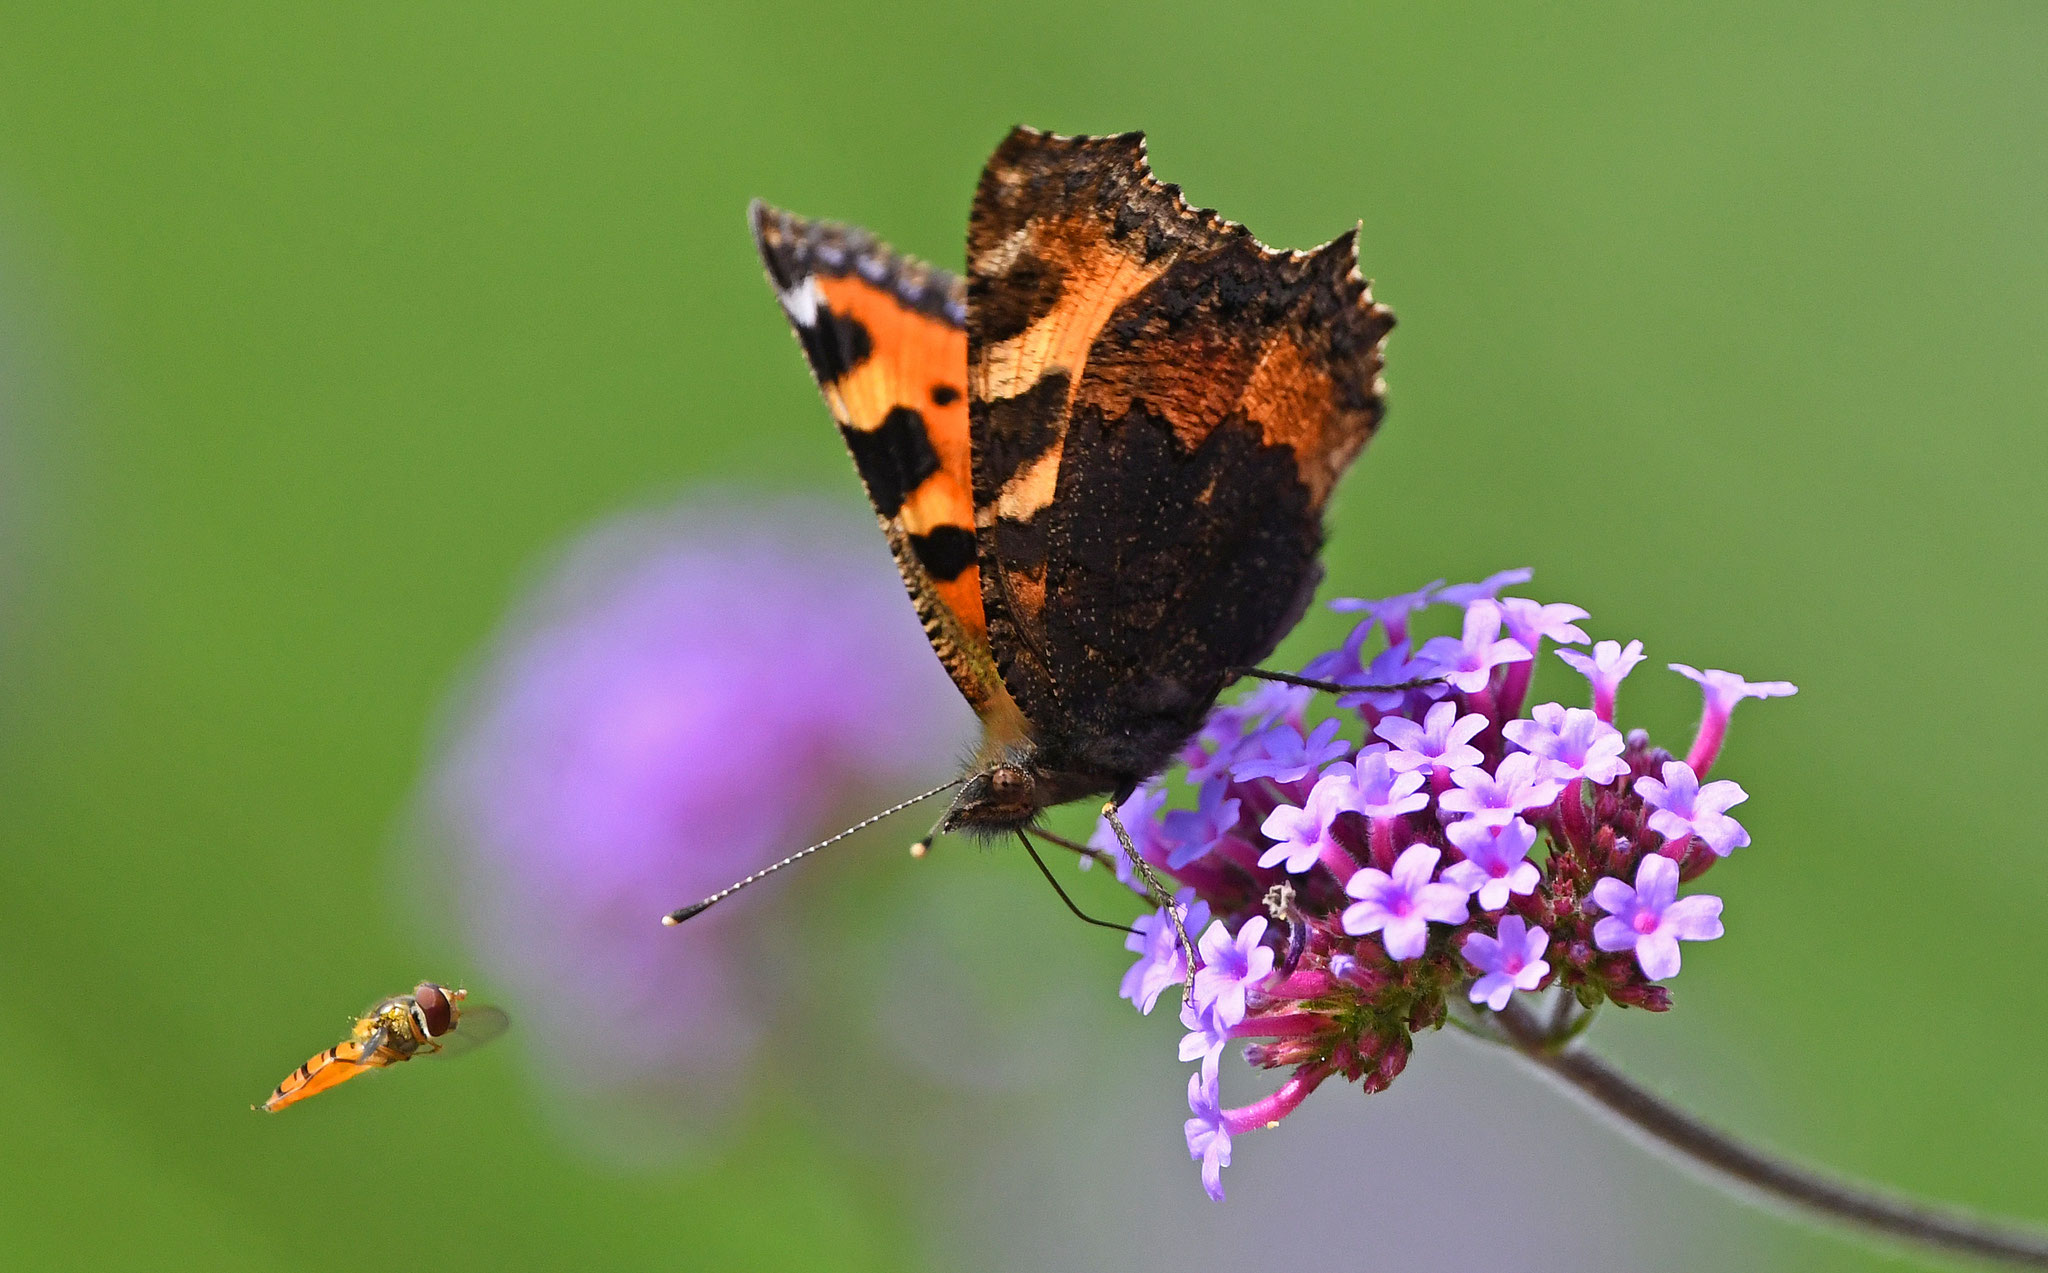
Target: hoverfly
393, 1030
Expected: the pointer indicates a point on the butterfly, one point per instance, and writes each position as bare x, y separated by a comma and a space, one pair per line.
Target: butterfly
1101, 460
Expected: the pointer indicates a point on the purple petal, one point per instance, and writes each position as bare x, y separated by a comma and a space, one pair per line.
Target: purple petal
1613, 933
1696, 918
1406, 937
1613, 896
1658, 954
1656, 883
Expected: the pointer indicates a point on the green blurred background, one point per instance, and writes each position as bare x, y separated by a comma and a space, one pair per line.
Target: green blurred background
317, 329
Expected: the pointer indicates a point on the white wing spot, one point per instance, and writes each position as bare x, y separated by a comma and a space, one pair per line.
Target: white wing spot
801, 302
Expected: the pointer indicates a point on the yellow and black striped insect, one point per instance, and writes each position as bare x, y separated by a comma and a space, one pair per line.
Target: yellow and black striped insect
393, 1030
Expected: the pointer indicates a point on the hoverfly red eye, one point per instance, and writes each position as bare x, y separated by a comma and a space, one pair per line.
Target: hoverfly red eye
436, 1013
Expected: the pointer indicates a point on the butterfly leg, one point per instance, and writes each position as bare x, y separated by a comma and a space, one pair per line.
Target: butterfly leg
1093, 855
1160, 896
1333, 687
1078, 912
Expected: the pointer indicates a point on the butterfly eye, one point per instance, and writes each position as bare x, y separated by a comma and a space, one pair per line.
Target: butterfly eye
1008, 782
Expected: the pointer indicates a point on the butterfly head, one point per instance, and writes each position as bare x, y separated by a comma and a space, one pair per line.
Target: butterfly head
1007, 793
1001, 797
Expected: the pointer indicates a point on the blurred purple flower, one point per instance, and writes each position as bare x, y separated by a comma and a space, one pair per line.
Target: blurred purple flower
604, 764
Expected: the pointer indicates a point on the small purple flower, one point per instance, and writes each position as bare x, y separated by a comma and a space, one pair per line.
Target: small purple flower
1531, 622
1683, 807
1140, 816
1513, 961
1190, 833
1231, 966
1301, 836
1399, 906
1605, 668
1207, 1034
1573, 743
1160, 961
1343, 661
1440, 742
1464, 594
1391, 666
1208, 1132
1225, 738
1519, 783
1649, 919
1723, 691
1392, 612
1496, 861
1468, 662
1382, 793
1276, 700
1288, 756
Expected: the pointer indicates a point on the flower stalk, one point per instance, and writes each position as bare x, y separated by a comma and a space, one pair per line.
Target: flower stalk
1735, 1163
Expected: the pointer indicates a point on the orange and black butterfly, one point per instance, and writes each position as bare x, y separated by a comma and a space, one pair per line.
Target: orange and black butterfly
393, 1030
1101, 461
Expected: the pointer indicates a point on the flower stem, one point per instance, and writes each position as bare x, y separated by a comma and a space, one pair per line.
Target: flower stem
1776, 1179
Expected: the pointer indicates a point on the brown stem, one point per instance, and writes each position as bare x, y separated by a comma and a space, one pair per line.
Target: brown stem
1941, 1228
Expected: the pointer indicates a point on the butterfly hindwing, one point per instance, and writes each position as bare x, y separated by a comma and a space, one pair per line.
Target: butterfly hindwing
1159, 407
885, 337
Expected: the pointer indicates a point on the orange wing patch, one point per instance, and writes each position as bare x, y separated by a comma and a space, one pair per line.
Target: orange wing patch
887, 342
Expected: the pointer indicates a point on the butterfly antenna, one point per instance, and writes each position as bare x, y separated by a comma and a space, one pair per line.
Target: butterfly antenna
1157, 889
698, 908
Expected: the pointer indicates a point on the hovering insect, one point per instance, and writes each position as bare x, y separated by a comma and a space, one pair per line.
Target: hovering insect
393, 1030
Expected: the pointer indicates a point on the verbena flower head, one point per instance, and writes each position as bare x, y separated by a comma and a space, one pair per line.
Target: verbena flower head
1438, 849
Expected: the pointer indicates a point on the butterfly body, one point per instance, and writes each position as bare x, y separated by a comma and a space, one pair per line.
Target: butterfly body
1101, 460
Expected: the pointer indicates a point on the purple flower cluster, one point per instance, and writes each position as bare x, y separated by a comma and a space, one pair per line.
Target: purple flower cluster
1347, 894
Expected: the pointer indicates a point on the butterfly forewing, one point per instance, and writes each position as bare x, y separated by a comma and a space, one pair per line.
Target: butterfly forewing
886, 341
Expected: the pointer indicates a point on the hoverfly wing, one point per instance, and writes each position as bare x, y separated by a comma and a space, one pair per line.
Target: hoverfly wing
474, 1028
